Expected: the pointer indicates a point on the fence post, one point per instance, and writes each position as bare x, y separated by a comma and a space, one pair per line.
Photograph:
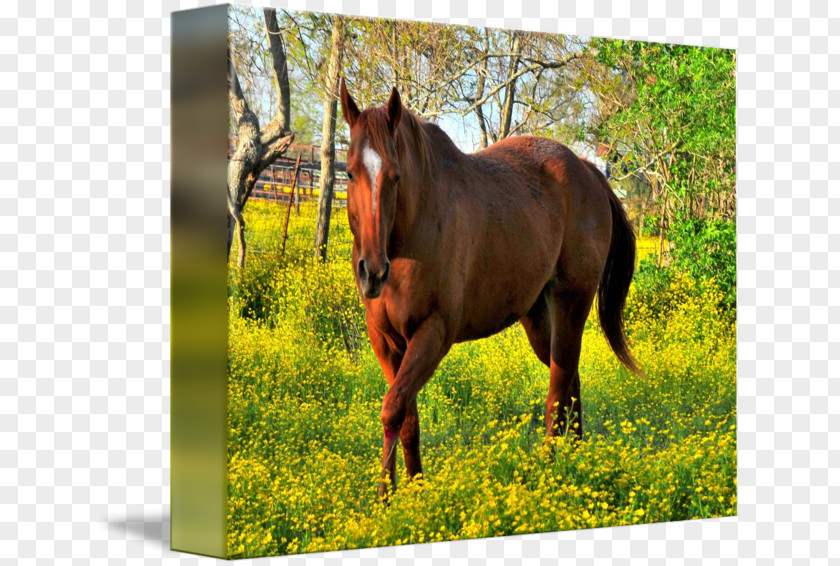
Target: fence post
296, 195
274, 180
289, 208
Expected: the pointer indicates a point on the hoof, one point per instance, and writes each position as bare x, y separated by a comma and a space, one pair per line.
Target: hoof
385, 491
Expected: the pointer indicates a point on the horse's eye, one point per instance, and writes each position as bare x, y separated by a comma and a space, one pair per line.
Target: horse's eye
350, 175
396, 178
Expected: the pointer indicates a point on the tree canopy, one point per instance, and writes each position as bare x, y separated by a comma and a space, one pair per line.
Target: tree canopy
661, 115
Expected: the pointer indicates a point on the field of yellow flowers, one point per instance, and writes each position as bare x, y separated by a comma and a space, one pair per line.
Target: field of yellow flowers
305, 392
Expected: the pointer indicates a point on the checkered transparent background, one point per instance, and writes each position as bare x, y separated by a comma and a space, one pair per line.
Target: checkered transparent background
84, 281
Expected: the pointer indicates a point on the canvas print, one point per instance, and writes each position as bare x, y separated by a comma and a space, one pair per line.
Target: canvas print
481, 282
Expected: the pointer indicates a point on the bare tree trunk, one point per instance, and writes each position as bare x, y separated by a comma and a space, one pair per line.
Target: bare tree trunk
240, 167
642, 208
482, 126
479, 92
395, 54
662, 216
240, 235
510, 91
281, 71
231, 225
322, 228
256, 148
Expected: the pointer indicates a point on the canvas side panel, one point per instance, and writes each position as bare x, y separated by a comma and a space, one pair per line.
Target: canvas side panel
199, 281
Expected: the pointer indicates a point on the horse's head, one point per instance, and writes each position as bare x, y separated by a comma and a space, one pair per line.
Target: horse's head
373, 172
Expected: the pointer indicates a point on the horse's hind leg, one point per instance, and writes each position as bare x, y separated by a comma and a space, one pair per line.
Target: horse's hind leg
567, 311
537, 325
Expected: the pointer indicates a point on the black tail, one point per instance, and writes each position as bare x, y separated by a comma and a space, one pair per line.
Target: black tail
615, 281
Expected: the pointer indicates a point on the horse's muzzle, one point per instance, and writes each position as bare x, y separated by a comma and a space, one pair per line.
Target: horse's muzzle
372, 281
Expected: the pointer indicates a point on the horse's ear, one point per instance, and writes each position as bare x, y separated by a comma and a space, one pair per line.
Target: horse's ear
348, 105
393, 110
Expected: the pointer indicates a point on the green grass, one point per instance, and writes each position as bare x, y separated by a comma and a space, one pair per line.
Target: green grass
306, 391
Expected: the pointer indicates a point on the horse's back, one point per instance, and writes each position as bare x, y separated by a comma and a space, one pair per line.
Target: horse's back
515, 213
579, 188
535, 172
532, 155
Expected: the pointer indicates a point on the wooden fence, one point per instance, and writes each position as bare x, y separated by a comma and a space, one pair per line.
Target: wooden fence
275, 182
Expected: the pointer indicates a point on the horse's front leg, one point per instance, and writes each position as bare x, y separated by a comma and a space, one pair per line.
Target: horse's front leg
410, 438
390, 358
424, 352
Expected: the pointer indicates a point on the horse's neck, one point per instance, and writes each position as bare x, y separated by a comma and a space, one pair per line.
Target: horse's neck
411, 202
427, 187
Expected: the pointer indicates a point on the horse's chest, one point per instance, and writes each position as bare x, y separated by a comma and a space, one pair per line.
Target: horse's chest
397, 314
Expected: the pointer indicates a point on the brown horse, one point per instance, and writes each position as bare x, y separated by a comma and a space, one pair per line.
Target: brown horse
449, 247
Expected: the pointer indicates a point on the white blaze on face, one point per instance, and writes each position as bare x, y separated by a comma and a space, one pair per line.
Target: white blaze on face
373, 163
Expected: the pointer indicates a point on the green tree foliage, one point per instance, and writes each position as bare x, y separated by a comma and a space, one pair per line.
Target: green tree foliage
676, 122
665, 113
705, 249
668, 114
